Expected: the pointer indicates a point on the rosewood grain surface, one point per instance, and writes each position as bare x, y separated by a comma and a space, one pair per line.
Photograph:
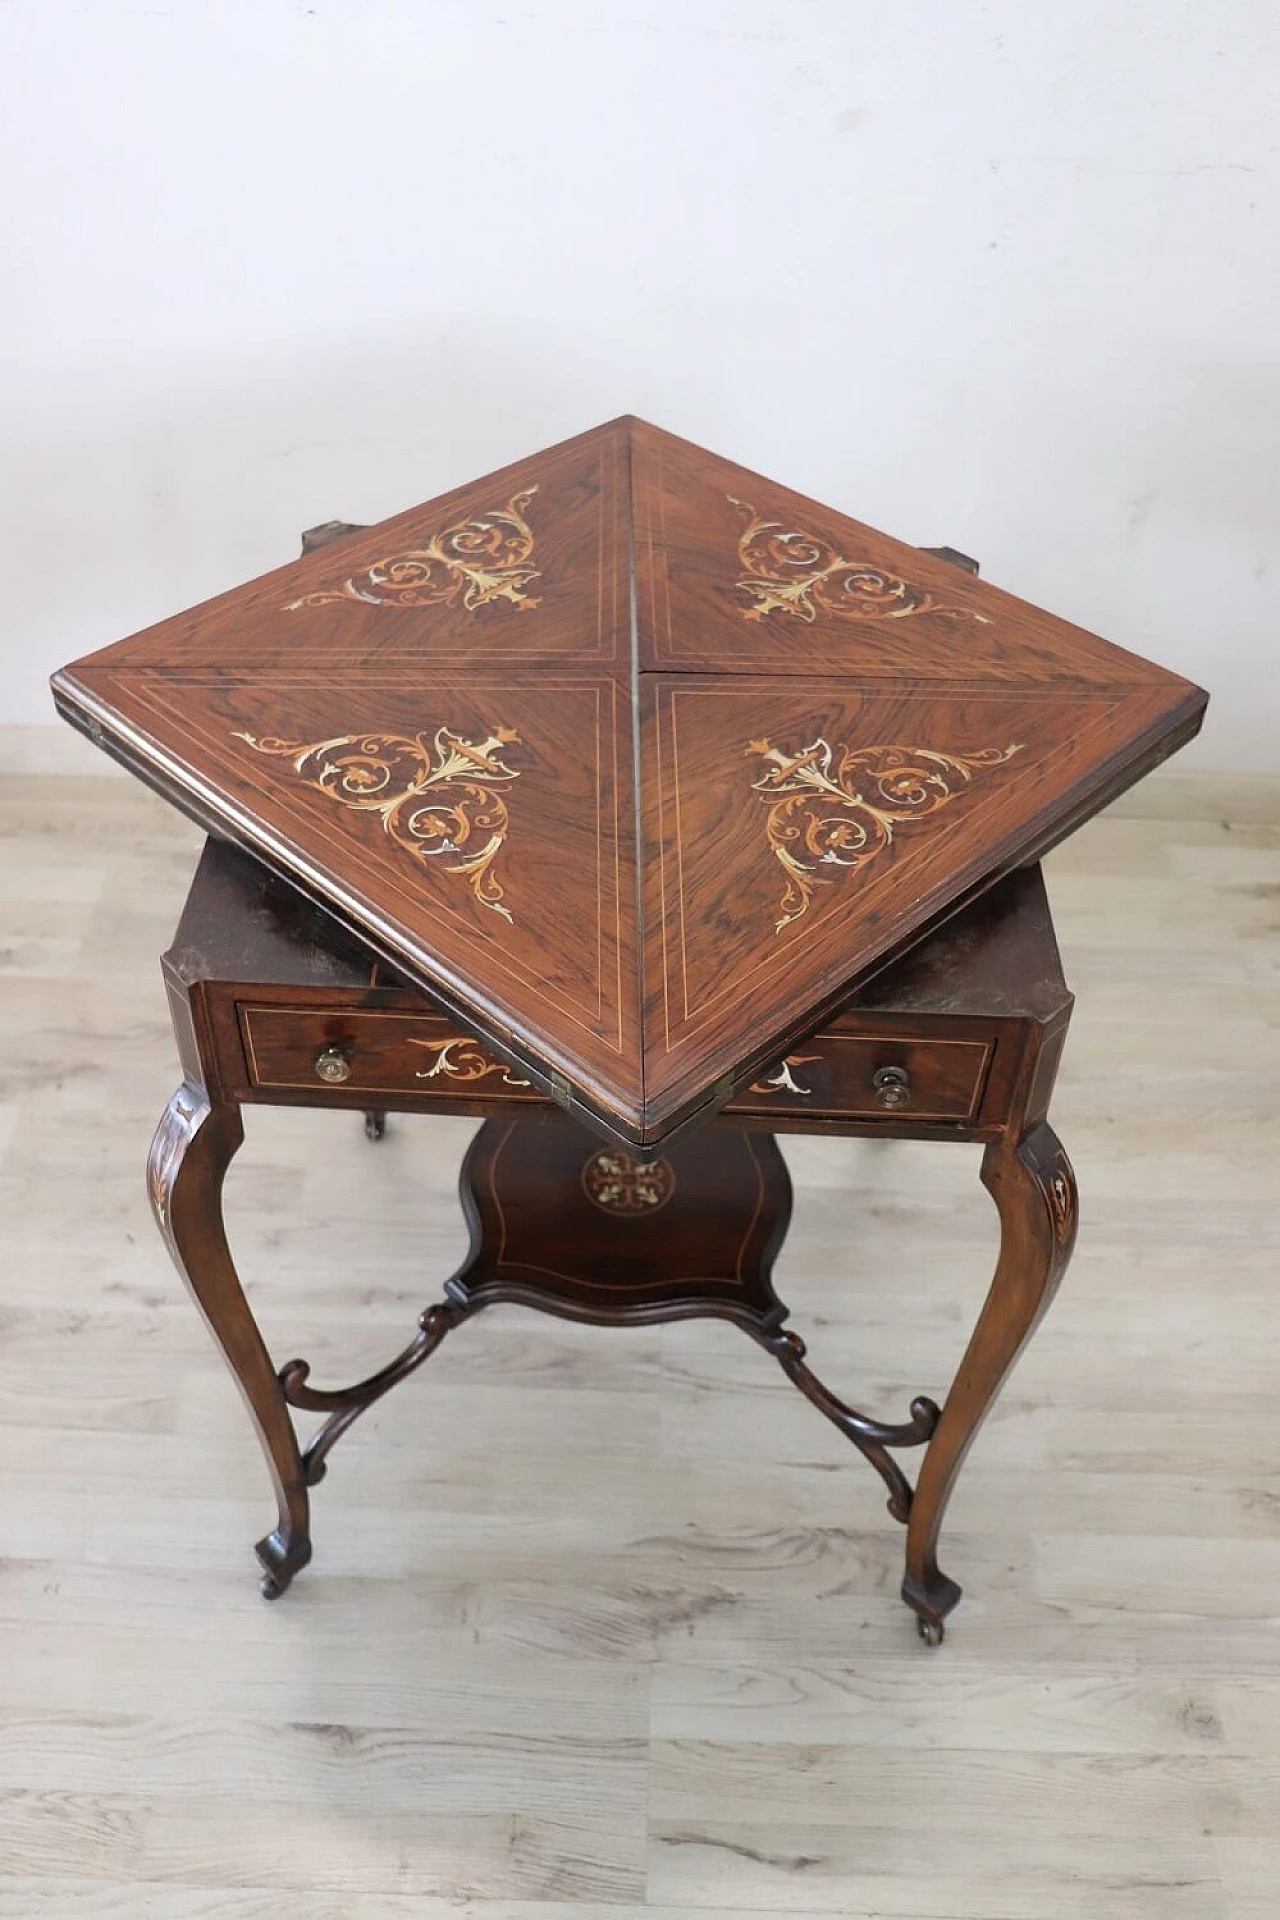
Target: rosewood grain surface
636, 760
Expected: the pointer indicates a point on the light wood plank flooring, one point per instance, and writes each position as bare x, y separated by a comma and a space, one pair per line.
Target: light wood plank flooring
606, 1624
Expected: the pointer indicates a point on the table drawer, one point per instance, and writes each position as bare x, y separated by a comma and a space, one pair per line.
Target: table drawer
873, 1076
374, 1053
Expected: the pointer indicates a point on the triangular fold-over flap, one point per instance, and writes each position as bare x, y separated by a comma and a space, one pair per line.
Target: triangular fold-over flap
736, 574
793, 828
528, 566
479, 828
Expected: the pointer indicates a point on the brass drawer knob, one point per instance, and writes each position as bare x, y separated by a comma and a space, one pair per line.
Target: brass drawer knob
333, 1066
892, 1085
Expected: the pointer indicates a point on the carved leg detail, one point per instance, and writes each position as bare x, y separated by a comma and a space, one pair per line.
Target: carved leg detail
1035, 1191
192, 1149
345, 1404
872, 1438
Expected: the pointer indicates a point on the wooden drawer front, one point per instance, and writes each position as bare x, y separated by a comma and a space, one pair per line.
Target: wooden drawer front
388, 1053
834, 1074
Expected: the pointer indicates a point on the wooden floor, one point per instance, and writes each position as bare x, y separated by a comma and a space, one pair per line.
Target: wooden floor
603, 1624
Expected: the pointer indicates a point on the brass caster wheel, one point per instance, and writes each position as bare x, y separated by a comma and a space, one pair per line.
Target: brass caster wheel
269, 1587
375, 1125
932, 1632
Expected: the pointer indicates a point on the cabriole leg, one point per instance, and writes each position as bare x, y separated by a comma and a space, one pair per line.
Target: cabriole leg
1035, 1191
190, 1154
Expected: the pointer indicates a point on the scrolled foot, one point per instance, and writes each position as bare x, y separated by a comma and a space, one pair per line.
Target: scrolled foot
931, 1605
281, 1558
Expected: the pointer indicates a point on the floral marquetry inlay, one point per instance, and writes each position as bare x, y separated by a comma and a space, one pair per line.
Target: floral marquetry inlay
838, 806
782, 1079
437, 801
473, 562
462, 1058
791, 571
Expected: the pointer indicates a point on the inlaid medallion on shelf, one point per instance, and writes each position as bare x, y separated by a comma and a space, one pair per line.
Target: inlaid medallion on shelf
616, 1183
473, 563
459, 1057
436, 801
838, 806
791, 571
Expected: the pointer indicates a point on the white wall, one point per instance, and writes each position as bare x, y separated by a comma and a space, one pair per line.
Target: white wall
1003, 275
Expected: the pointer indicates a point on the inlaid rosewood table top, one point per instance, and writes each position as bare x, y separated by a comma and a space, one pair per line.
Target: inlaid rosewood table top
637, 761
